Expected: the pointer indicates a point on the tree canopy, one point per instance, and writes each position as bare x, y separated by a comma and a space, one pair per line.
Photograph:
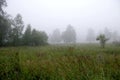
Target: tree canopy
27, 35
38, 38
11, 31
2, 4
102, 38
4, 30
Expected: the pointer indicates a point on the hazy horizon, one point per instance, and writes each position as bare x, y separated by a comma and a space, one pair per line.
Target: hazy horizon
47, 15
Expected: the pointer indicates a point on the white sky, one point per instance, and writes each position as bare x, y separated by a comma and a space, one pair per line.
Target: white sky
48, 15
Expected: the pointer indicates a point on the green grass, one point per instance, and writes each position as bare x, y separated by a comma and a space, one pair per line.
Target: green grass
60, 62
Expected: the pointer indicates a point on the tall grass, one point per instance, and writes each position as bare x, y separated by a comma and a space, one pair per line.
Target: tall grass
86, 62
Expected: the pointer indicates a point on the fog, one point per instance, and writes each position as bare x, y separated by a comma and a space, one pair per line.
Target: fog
47, 15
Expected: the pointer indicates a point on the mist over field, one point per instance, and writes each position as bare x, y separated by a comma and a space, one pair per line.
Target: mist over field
49, 15
59, 39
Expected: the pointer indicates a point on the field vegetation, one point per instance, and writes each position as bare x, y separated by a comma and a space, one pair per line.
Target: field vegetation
60, 62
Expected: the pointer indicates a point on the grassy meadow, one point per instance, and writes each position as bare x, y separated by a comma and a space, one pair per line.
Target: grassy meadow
60, 62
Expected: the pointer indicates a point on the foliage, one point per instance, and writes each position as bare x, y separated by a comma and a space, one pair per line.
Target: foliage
2, 4
4, 30
38, 38
102, 40
60, 62
17, 29
27, 36
11, 31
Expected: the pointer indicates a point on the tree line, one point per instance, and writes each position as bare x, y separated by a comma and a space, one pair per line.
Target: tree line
67, 36
11, 31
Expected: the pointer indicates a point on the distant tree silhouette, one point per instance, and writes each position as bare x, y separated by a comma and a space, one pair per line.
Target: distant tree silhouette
90, 35
56, 36
69, 35
107, 33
